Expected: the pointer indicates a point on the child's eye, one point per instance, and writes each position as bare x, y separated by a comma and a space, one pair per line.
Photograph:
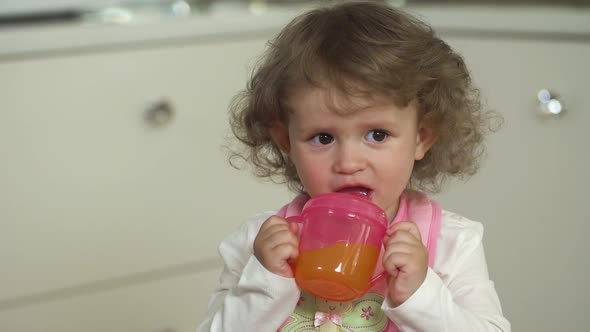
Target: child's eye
376, 135
322, 139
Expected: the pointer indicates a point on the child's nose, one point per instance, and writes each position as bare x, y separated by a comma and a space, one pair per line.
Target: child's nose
349, 159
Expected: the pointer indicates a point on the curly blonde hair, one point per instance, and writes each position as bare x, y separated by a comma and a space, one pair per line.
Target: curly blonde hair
385, 50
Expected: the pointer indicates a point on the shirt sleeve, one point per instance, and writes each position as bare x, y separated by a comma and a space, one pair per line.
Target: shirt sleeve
457, 294
249, 295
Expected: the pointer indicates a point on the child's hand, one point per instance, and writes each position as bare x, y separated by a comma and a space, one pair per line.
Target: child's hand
405, 260
276, 245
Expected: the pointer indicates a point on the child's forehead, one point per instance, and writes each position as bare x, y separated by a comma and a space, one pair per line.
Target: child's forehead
337, 100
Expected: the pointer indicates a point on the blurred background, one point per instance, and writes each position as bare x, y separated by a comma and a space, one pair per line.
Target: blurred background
114, 184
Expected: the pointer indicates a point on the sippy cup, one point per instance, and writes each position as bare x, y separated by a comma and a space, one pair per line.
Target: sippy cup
340, 242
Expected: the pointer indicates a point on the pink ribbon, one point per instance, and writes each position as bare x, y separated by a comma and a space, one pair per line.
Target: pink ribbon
321, 318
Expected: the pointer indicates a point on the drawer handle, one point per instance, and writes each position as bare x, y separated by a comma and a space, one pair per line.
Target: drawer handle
159, 113
548, 104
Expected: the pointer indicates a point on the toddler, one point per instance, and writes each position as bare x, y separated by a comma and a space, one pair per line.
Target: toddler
360, 97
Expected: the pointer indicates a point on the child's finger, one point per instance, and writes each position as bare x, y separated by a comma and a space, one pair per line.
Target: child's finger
403, 247
407, 226
402, 237
272, 228
395, 262
294, 227
278, 237
279, 258
273, 221
397, 249
285, 251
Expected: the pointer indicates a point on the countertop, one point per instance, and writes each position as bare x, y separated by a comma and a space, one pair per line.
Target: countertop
37, 40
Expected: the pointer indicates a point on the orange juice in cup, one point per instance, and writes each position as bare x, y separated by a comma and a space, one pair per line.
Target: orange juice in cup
340, 243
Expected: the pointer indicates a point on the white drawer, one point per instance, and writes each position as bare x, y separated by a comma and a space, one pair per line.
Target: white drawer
90, 191
176, 304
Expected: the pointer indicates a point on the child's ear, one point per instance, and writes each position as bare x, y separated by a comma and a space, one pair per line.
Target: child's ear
280, 136
427, 136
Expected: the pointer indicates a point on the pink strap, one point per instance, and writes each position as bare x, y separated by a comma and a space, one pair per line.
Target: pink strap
427, 214
294, 208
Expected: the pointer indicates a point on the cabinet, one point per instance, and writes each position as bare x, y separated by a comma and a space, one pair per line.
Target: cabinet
532, 189
96, 202
110, 223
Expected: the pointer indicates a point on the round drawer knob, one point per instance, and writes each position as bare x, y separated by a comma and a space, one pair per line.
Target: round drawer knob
548, 104
159, 113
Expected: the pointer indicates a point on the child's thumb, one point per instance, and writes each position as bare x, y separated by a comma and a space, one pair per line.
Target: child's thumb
294, 227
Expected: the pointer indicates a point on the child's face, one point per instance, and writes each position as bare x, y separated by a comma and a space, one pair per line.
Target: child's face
370, 150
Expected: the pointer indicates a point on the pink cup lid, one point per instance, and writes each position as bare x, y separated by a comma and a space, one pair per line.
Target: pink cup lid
353, 204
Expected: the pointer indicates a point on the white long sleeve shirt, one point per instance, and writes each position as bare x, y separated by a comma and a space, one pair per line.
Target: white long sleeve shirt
457, 294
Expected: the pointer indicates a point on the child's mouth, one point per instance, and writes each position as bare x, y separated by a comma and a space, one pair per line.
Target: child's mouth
357, 190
